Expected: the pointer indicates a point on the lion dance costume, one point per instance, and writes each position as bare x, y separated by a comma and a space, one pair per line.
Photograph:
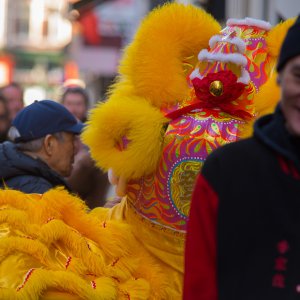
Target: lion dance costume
185, 88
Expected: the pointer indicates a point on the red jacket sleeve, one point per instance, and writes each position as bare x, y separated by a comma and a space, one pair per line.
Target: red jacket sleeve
200, 253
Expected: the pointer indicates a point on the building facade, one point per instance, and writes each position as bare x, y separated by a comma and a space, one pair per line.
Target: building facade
33, 35
269, 10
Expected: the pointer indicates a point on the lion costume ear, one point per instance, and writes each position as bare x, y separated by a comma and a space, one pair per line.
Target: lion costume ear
164, 51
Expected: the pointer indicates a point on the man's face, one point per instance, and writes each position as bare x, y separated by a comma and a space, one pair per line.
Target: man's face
75, 104
63, 154
13, 96
289, 80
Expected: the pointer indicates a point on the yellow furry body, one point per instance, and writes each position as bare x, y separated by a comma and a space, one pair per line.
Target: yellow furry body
69, 251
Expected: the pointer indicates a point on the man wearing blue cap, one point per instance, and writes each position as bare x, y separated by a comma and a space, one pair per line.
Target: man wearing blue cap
243, 237
42, 148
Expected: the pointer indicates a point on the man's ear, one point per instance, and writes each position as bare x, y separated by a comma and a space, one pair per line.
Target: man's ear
48, 144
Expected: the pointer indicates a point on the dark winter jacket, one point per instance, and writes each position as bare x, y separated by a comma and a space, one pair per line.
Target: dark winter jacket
21, 172
243, 239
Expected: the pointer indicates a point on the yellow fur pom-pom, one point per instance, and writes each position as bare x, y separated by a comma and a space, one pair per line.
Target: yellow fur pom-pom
113, 123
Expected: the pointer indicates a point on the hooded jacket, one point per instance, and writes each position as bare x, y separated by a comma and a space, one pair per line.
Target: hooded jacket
21, 172
243, 238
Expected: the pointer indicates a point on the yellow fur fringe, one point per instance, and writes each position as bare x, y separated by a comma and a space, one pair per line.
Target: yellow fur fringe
41, 281
268, 96
265, 102
276, 36
67, 250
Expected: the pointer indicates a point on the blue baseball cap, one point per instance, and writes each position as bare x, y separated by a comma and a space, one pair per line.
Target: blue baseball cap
41, 118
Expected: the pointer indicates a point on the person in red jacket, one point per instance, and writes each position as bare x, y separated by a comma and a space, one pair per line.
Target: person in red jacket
243, 237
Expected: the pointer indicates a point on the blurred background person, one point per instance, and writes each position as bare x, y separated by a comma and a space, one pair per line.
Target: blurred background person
89, 182
4, 119
13, 94
76, 100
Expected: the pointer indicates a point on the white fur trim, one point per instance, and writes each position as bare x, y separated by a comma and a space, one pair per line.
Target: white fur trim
195, 74
241, 45
235, 58
245, 77
250, 22
215, 39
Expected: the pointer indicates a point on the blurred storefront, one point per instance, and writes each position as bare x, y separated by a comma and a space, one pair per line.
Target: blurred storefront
101, 30
45, 42
33, 35
270, 10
